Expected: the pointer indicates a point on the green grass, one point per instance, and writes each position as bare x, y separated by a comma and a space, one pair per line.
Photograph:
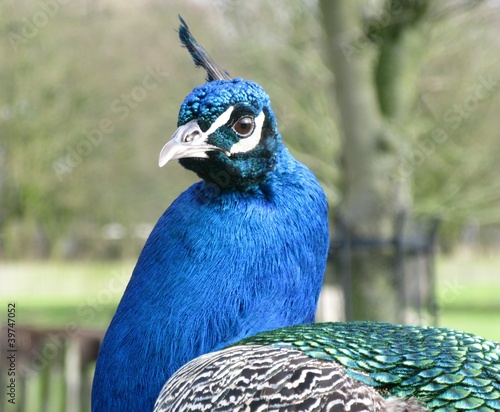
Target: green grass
54, 294
469, 294
60, 314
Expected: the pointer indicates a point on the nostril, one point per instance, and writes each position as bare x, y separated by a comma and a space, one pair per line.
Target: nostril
191, 136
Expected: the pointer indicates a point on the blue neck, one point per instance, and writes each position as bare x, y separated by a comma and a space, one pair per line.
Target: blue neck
219, 266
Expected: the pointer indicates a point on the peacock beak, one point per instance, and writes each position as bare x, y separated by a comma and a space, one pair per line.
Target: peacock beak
188, 141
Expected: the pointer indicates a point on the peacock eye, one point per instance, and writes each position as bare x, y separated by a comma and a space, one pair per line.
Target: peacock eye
244, 126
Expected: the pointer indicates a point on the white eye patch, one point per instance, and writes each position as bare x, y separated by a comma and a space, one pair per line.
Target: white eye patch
248, 143
245, 144
220, 121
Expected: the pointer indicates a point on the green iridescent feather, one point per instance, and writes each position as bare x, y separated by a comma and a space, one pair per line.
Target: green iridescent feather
445, 369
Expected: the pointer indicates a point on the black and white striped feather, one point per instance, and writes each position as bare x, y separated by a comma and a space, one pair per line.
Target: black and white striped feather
200, 56
268, 378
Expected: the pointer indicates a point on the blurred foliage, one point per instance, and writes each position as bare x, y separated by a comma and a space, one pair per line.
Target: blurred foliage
90, 92
459, 99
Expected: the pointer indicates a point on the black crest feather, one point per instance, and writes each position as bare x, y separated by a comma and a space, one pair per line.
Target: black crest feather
200, 56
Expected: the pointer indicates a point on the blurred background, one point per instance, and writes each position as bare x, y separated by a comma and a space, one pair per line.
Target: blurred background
394, 105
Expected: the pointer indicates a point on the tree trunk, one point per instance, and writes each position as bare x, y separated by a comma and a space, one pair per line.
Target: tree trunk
372, 201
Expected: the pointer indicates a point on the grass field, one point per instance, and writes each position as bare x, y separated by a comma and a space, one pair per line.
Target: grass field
469, 294
51, 294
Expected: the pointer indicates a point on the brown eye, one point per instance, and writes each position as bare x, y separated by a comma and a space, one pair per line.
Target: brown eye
244, 126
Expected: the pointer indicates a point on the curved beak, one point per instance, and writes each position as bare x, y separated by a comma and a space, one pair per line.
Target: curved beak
187, 141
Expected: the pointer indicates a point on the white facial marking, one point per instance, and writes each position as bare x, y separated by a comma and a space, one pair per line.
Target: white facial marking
248, 143
220, 121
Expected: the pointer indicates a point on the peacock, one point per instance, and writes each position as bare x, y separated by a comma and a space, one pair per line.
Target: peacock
222, 301
242, 251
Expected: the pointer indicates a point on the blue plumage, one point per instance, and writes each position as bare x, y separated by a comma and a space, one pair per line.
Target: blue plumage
241, 252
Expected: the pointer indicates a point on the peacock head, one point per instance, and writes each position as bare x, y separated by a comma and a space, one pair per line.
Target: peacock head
227, 132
